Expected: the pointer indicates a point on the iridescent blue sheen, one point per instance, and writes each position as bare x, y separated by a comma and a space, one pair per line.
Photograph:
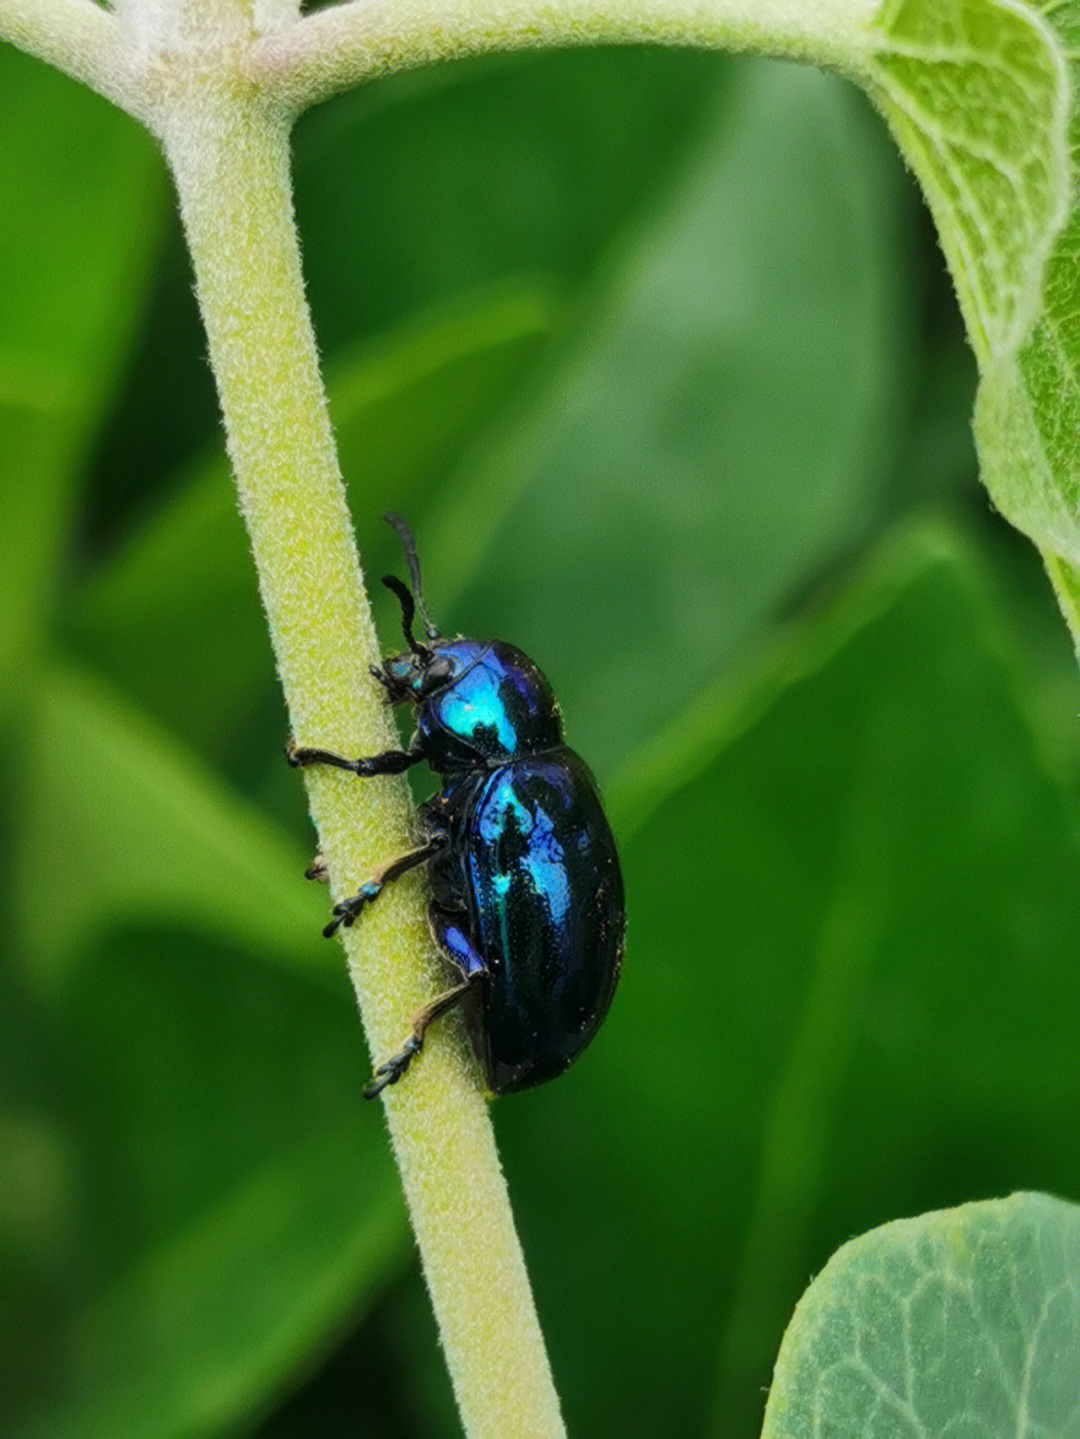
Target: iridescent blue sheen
528, 882
494, 705
545, 894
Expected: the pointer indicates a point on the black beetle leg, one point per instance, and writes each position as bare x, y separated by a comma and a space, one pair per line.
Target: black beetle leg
393, 761
395, 1067
317, 870
346, 911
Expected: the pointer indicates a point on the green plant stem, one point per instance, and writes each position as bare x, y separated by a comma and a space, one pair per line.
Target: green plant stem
337, 47
229, 154
84, 41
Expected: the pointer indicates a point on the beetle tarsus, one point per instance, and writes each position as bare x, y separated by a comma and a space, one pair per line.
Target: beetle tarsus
395, 1067
347, 911
390, 1072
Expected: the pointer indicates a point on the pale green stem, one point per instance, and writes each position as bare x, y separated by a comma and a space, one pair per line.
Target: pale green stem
229, 154
341, 45
84, 41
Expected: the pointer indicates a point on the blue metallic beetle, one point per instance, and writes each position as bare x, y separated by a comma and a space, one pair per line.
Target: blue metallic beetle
527, 895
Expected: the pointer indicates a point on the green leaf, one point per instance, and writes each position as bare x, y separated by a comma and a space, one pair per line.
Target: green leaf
1065, 578
965, 1322
427, 185
212, 1322
723, 420
978, 96
180, 845
976, 93
82, 198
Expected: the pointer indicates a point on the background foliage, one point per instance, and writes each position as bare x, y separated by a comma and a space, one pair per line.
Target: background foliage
657, 353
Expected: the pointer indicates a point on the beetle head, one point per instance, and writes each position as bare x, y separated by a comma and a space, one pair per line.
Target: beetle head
415, 674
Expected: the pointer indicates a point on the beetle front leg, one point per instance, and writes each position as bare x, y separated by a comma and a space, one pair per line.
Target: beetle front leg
396, 1065
393, 761
347, 911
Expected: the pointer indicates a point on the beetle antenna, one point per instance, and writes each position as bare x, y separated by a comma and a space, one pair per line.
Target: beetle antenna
408, 544
408, 614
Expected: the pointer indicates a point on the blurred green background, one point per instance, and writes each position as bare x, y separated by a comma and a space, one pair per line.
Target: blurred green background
657, 353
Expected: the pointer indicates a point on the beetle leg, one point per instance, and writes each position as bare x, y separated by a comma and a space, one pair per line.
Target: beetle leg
393, 761
450, 931
346, 911
317, 870
395, 1067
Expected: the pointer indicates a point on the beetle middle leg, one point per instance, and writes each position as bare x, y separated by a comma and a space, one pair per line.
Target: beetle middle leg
346, 911
397, 1064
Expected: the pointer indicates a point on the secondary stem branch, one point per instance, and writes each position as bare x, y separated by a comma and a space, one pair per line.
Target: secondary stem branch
81, 39
337, 47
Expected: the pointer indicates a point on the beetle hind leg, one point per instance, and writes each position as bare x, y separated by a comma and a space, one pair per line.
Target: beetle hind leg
390, 1072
